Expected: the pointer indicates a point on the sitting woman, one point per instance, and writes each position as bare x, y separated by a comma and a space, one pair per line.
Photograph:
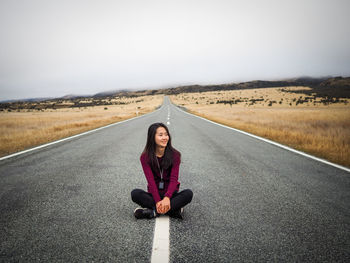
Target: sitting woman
160, 163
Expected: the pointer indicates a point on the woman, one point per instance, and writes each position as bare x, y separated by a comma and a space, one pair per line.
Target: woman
160, 163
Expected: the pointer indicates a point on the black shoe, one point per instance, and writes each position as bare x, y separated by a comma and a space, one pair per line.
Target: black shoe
144, 213
177, 213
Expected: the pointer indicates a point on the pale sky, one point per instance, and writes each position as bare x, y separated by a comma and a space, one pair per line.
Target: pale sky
52, 48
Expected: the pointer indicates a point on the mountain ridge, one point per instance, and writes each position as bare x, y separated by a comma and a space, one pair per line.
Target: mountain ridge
327, 86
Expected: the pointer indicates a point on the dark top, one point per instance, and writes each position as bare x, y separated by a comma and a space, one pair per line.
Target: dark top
170, 177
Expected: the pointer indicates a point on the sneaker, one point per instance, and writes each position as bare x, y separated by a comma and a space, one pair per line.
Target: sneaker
178, 213
144, 213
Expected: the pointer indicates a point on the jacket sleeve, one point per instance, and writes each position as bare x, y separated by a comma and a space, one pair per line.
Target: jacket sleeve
174, 175
150, 178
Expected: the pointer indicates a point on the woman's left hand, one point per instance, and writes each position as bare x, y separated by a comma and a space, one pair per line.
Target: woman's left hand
166, 204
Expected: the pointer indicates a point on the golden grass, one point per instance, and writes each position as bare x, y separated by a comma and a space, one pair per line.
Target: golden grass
323, 131
22, 130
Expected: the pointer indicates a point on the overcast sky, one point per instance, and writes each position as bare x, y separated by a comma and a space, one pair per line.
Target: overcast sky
52, 48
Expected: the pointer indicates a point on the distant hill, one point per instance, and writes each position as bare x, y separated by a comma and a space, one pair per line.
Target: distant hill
73, 96
110, 93
338, 87
27, 100
332, 87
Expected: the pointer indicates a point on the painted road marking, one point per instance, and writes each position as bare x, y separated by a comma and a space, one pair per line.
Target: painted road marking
168, 122
74, 136
274, 143
160, 249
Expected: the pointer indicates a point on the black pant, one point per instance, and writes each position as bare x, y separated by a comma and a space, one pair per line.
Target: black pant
178, 200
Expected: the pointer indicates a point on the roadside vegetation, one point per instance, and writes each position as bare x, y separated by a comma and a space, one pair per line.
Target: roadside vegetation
28, 124
309, 114
294, 116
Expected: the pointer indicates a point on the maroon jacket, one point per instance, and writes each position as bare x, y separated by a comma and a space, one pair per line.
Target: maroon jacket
170, 177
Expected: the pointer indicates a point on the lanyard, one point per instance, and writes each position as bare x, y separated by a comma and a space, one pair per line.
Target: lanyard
161, 171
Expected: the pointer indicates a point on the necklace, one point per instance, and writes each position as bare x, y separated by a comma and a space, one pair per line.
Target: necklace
161, 183
160, 170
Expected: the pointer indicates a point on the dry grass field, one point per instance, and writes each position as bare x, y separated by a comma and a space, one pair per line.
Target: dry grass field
308, 123
23, 129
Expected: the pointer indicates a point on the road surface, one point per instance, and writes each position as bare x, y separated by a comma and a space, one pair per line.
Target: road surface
253, 201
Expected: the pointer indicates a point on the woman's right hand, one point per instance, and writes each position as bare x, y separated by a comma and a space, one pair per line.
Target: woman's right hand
159, 207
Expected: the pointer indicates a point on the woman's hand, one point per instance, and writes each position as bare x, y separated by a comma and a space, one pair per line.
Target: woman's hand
166, 204
163, 206
159, 207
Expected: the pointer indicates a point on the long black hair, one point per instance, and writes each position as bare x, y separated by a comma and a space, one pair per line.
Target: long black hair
150, 148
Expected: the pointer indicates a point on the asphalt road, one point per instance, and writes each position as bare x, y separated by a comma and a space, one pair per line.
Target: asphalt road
253, 201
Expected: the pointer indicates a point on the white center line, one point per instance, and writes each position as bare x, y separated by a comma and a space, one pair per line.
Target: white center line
160, 250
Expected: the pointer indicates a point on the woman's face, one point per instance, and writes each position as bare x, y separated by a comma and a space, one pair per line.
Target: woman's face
161, 137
